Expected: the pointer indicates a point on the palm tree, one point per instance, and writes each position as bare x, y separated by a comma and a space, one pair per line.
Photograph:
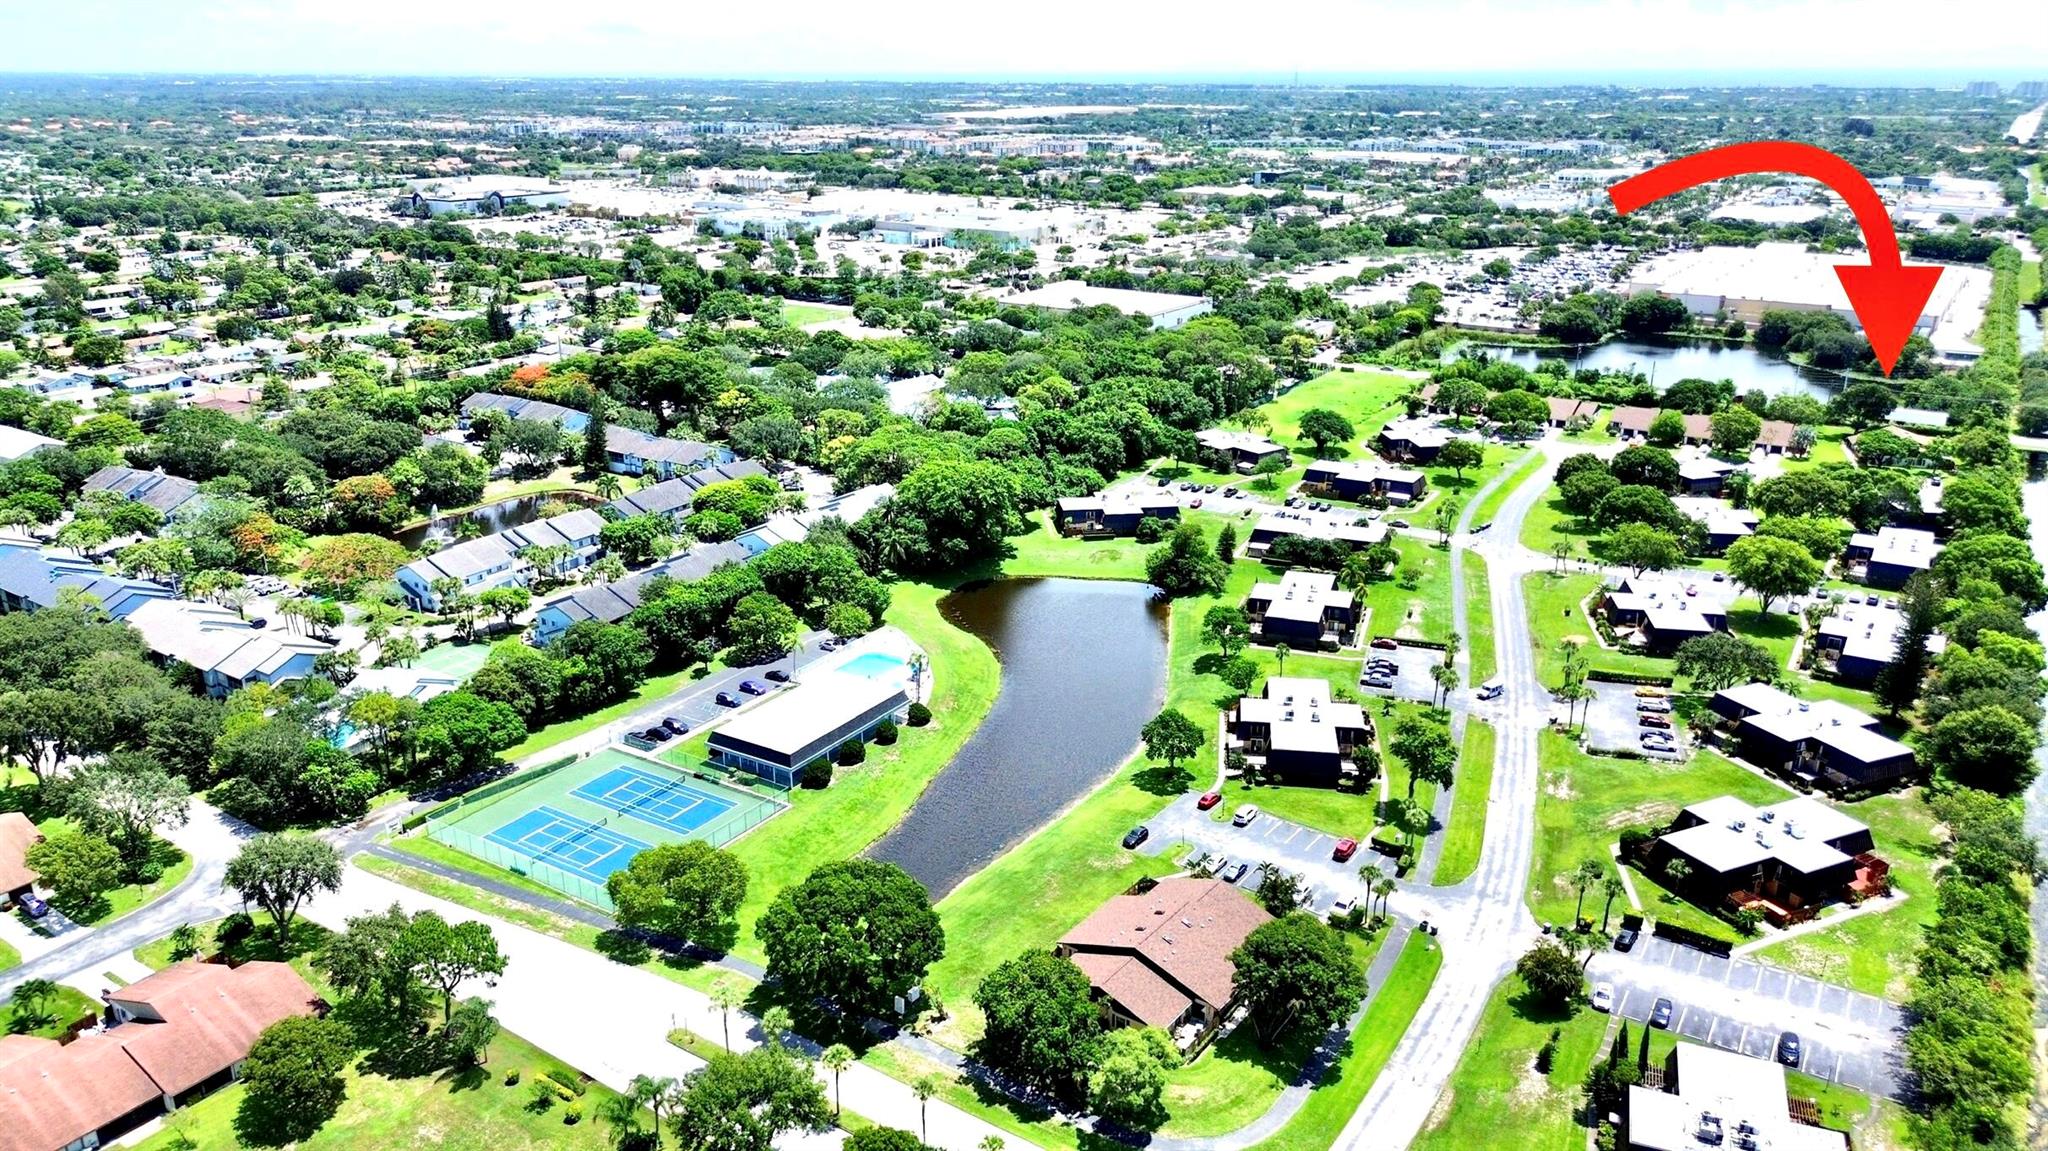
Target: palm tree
726, 995
919, 664
1678, 871
1584, 876
836, 1059
990, 1143
1280, 653
924, 1088
606, 486
657, 1095
775, 1026
1444, 679
1560, 552
1383, 887
1613, 889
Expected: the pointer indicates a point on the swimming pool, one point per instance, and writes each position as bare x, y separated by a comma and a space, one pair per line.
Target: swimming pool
873, 665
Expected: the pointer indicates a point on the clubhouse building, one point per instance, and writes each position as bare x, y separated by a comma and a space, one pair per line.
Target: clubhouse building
780, 737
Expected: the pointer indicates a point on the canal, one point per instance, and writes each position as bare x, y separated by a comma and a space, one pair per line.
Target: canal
2035, 497
1666, 362
490, 518
1083, 666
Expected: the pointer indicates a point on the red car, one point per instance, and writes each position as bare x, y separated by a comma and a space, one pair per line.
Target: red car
1208, 800
1346, 848
1648, 720
1386, 643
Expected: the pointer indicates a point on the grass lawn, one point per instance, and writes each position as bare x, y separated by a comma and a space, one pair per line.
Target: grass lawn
1549, 523
1870, 952
1498, 458
452, 1110
1490, 506
1497, 1099
171, 864
1368, 399
59, 1012
1043, 551
800, 312
1587, 800
1392, 1008
2030, 279
1419, 612
1555, 614
1472, 782
9, 957
1478, 619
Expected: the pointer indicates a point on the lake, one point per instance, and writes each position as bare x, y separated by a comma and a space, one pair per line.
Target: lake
1084, 666
1668, 361
492, 518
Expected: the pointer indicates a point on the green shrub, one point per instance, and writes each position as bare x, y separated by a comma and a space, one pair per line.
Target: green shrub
572, 1114
512, 1077
885, 732
1151, 529
818, 775
852, 752
233, 930
541, 1095
920, 715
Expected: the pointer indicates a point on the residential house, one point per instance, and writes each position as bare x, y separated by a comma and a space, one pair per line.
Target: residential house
782, 736
1704, 475
1659, 612
1785, 860
614, 601
168, 494
1775, 436
1723, 522
1860, 640
726, 471
17, 834
1159, 954
1273, 526
1358, 480
1821, 740
1928, 419
32, 578
1710, 1099
17, 442
1305, 610
226, 650
795, 527
632, 453
1634, 423
522, 408
1891, 555
1298, 733
671, 499
1237, 451
169, 1040
1416, 441
1565, 412
1099, 515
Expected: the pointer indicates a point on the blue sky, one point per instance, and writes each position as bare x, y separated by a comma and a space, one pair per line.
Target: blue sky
1672, 41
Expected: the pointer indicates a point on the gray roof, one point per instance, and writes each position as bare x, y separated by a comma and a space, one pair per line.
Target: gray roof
679, 453
165, 493
522, 408
668, 498
720, 473
611, 602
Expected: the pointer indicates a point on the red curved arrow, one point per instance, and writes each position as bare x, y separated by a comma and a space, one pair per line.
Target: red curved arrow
1887, 294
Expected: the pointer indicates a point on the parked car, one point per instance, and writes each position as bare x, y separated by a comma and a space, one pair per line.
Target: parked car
1345, 849
1164, 482
1378, 681
1654, 706
1137, 835
656, 735
1652, 692
1383, 665
676, 726
728, 699
1603, 997
1196, 502
1209, 799
1229, 491
1653, 738
33, 906
1647, 720
1660, 1015
779, 675
1626, 941
1344, 905
753, 687
1292, 502
1788, 1048
1397, 523
1245, 815
828, 645
1482, 527
1386, 643
1237, 872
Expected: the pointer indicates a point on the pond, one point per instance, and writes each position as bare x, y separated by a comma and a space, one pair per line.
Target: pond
1666, 362
2030, 331
491, 518
1084, 666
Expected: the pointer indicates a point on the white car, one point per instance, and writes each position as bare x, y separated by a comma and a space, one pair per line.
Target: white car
1343, 905
1603, 997
1245, 814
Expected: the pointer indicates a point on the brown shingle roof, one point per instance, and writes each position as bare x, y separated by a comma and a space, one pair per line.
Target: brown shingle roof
1776, 434
1632, 420
210, 1014
16, 834
1177, 935
52, 1095
1564, 410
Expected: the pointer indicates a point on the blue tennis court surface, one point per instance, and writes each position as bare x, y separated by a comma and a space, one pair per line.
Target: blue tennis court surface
577, 846
664, 801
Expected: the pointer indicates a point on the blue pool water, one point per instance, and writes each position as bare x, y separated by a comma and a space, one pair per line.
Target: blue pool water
873, 665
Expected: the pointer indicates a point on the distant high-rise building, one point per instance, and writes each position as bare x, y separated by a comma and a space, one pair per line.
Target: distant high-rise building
1976, 88
2031, 89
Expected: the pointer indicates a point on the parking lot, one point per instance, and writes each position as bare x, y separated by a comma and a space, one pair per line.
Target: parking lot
1411, 679
1740, 1005
1268, 840
1614, 724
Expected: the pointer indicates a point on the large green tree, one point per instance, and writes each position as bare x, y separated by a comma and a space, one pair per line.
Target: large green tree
746, 1102
1772, 568
1297, 972
1042, 1025
293, 1080
278, 872
688, 890
855, 931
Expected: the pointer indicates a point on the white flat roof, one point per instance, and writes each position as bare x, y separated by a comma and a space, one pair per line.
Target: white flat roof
797, 716
1067, 294
1719, 1092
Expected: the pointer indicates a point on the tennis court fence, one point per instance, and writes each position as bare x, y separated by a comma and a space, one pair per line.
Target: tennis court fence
521, 863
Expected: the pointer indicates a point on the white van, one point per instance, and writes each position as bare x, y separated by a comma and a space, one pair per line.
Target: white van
1492, 688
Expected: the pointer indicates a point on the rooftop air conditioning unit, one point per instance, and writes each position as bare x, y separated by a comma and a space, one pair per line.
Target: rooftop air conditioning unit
1794, 830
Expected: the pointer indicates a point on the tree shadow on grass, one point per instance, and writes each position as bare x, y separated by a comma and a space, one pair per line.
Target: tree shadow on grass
1533, 1008
1160, 779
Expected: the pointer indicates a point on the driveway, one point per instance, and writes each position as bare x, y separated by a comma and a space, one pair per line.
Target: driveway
1613, 722
1740, 1005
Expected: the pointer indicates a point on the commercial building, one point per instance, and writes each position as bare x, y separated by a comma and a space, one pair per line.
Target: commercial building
1861, 640
168, 1040
1237, 451
1305, 610
779, 738
614, 601
1744, 283
1162, 309
1159, 954
1714, 1100
1099, 515
1298, 733
1890, 556
1786, 860
496, 561
483, 195
226, 650
1815, 740
168, 494
1364, 479
1659, 612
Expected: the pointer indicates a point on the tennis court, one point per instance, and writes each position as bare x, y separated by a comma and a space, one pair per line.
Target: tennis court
573, 824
